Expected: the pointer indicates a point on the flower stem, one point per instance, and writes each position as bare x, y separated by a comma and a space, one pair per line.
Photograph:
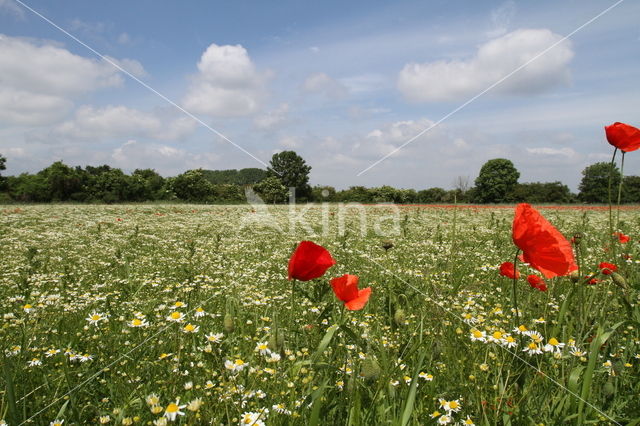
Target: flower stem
611, 170
514, 290
620, 192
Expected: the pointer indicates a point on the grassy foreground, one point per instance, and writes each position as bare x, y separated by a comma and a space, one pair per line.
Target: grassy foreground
161, 314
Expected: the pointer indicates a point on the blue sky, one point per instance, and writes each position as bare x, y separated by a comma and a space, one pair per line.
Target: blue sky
342, 84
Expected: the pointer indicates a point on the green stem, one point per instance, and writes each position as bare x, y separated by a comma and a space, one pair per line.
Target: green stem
611, 170
515, 282
620, 192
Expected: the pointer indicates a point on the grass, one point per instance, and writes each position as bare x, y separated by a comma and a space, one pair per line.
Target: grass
307, 360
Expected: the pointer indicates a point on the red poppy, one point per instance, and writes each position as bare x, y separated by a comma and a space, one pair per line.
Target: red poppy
623, 136
542, 245
309, 261
537, 282
507, 269
607, 268
622, 238
346, 289
592, 281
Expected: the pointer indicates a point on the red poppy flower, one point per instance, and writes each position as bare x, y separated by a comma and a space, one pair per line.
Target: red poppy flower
309, 261
346, 289
607, 268
623, 136
592, 281
537, 282
622, 238
507, 269
542, 245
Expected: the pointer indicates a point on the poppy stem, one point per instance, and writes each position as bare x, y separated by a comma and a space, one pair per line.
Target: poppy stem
620, 192
514, 290
611, 170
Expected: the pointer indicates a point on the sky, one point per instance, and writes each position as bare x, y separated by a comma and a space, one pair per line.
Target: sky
413, 94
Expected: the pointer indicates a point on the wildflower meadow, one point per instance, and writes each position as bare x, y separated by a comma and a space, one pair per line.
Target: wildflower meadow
191, 314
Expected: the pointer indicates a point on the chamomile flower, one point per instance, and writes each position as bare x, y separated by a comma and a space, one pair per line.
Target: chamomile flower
509, 341
444, 420
51, 352
34, 362
178, 304
235, 366
252, 418
553, 346
280, 408
152, 399
425, 376
173, 410
199, 312
190, 328
137, 322
532, 349
27, 308
263, 348
214, 338
95, 317
496, 337
478, 336
56, 422
175, 316
194, 405
468, 422
521, 329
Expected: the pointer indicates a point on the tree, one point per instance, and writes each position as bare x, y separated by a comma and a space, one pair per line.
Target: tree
63, 181
3, 161
271, 190
292, 171
431, 195
192, 185
496, 180
631, 189
541, 192
594, 187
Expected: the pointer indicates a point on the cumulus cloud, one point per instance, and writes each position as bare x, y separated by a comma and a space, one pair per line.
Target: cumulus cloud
385, 140
170, 160
272, 119
565, 152
93, 124
453, 80
227, 83
40, 80
322, 84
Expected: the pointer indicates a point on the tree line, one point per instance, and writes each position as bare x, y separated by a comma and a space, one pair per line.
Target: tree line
497, 182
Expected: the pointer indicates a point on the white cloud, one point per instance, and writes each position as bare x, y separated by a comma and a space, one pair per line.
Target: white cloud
451, 80
272, 119
227, 83
11, 7
93, 124
565, 152
322, 84
170, 160
383, 141
40, 81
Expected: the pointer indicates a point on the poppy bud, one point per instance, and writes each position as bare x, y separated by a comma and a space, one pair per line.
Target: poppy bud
619, 280
370, 369
386, 245
609, 389
229, 324
276, 341
399, 317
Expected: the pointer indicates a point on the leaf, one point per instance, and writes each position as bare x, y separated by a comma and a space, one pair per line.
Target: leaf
411, 398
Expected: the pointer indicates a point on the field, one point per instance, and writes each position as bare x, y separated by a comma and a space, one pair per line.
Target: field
145, 314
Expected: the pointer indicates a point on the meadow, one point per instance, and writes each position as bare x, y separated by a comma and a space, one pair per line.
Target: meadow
160, 314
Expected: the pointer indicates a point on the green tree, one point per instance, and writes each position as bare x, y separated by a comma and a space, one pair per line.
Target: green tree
3, 166
63, 181
146, 184
594, 187
631, 189
271, 190
192, 185
431, 195
292, 171
541, 192
496, 180
323, 193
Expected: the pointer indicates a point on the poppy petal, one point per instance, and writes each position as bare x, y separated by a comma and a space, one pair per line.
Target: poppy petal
360, 301
309, 261
623, 136
345, 287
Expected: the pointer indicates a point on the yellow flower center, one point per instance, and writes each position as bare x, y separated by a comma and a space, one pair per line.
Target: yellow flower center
553, 341
189, 327
95, 317
27, 306
136, 322
497, 335
176, 315
533, 346
522, 328
172, 408
178, 304
477, 334
453, 405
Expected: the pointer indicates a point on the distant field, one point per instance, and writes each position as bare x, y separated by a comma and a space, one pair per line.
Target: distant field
123, 314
